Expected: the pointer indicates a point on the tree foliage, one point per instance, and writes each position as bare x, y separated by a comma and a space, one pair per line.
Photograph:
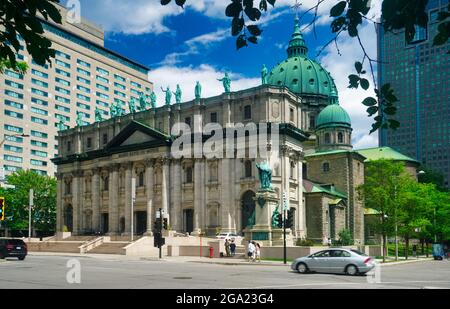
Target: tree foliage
18, 20
17, 201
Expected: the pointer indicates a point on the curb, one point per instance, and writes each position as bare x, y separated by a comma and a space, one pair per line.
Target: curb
240, 263
404, 262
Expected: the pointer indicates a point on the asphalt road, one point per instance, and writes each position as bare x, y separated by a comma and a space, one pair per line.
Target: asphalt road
51, 272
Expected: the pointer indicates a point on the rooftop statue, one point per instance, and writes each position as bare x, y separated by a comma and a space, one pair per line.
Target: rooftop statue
132, 106
198, 91
226, 81
178, 95
143, 102
153, 100
168, 95
61, 125
79, 120
265, 176
98, 115
264, 75
113, 110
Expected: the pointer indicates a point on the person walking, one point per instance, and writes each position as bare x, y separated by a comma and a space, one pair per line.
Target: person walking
227, 247
414, 249
251, 250
258, 252
233, 248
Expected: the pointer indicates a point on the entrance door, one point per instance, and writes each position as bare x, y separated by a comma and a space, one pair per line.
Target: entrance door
248, 208
105, 223
141, 222
188, 219
68, 218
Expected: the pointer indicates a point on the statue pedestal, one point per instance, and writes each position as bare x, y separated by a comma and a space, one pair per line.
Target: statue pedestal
262, 232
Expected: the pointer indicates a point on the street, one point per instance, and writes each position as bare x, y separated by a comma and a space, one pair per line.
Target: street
110, 272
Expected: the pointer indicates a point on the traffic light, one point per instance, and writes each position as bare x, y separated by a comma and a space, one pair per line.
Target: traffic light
2, 209
280, 221
165, 225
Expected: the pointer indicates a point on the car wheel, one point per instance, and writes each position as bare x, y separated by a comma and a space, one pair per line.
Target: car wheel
302, 268
21, 258
351, 270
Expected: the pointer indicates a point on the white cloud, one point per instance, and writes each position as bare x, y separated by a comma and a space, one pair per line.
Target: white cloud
186, 77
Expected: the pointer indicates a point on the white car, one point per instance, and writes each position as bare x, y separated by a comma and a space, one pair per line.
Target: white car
225, 236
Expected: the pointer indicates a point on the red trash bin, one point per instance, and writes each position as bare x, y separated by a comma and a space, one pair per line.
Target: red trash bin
211, 252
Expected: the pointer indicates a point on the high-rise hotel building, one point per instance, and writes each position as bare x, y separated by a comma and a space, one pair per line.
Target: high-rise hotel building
420, 75
83, 76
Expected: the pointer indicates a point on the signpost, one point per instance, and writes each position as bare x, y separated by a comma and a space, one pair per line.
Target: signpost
31, 204
133, 200
285, 207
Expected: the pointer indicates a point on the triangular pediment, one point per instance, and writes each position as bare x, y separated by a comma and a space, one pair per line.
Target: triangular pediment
138, 135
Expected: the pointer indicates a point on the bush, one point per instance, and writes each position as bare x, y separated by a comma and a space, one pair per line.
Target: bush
305, 243
345, 238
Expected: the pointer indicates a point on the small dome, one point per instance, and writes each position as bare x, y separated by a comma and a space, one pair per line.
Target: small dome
333, 116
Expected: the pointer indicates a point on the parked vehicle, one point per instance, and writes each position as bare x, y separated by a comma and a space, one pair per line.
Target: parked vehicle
13, 248
335, 260
225, 236
438, 251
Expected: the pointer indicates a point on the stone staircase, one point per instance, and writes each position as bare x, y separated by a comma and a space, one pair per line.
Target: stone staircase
80, 238
55, 246
114, 247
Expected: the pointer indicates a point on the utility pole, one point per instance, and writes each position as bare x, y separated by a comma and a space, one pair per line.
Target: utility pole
284, 228
30, 205
133, 199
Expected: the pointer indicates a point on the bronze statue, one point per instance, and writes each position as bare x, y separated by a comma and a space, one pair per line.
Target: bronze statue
168, 95
265, 176
226, 81
264, 75
198, 91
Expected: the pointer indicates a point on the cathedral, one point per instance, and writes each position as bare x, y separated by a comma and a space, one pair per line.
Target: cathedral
119, 172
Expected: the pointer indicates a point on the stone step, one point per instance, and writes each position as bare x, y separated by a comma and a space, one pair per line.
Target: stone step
111, 248
80, 238
56, 246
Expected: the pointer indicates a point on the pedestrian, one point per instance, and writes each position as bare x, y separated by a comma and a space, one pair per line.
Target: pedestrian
233, 248
250, 250
258, 252
414, 249
329, 242
227, 247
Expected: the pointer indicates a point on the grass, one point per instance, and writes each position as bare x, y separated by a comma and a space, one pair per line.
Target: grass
276, 260
402, 249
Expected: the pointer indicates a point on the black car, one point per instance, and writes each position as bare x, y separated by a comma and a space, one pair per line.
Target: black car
13, 248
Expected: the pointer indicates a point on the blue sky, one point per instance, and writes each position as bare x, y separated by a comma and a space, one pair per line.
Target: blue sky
182, 46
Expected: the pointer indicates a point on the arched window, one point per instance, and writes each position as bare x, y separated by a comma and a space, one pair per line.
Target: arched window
327, 138
340, 138
189, 174
248, 169
326, 167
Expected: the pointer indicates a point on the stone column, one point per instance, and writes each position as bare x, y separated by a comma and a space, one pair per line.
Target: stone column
76, 202
197, 195
176, 212
165, 187
226, 196
60, 203
113, 216
128, 188
96, 200
149, 190
236, 198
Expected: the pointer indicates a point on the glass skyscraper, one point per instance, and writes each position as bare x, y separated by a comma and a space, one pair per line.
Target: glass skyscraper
420, 76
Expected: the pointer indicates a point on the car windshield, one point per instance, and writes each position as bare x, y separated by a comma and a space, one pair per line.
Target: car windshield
15, 242
223, 234
358, 252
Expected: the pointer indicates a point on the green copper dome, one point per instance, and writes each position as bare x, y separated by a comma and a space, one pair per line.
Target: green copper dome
333, 116
299, 73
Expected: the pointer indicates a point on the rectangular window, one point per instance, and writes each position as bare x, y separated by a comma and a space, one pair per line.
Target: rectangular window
13, 128
421, 34
42, 66
20, 57
39, 92
43, 173
39, 102
62, 90
62, 117
105, 139
39, 134
83, 97
39, 73
39, 120
39, 83
101, 103
85, 116
62, 82
84, 89
134, 84
62, 72
14, 139
62, 63
38, 153
13, 104
89, 142
13, 74
38, 162
39, 111
83, 80
121, 102
84, 106
101, 87
39, 144
120, 78
13, 149
248, 112
134, 91
13, 158
63, 55
214, 117
62, 100
83, 63
10, 83
83, 72
62, 108
120, 86
291, 115
102, 71
102, 95
14, 94
102, 79
13, 114
120, 94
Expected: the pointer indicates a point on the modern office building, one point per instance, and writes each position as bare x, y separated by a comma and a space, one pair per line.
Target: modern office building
83, 76
420, 75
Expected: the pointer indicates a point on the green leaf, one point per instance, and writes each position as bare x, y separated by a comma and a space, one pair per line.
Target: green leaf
354, 81
359, 67
237, 25
338, 9
370, 101
253, 39
372, 110
165, 2
180, 2
394, 124
241, 42
391, 110
364, 83
233, 10
254, 30
272, 2
337, 24
263, 5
